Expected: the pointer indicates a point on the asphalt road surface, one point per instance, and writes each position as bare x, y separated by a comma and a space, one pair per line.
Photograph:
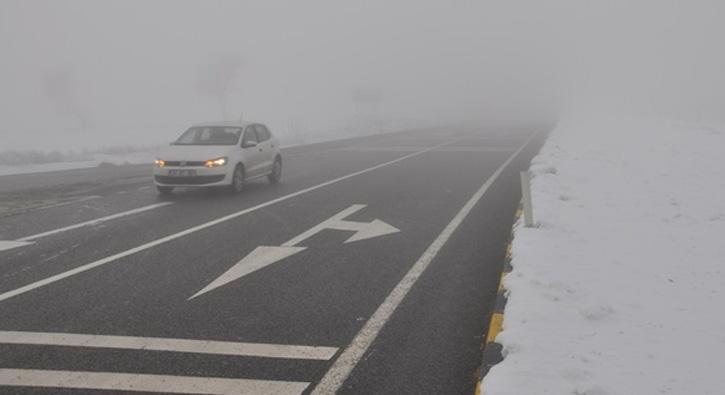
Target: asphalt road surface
370, 269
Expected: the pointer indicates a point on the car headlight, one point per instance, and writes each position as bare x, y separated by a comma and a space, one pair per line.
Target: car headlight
160, 162
216, 162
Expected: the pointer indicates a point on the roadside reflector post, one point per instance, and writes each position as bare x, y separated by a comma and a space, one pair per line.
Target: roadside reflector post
526, 197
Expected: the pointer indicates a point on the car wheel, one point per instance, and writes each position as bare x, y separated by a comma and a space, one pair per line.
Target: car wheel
165, 191
238, 179
276, 173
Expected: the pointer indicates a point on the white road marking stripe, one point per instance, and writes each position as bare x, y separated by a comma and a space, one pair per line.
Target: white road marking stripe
10, 244
346, 362
174, 345
100, 262
95, 221
146, 382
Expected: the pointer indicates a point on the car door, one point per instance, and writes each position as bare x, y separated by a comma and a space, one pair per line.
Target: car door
267, 145
252, 153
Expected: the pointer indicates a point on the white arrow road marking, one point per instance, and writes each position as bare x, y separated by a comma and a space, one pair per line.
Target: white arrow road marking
6, 245
146, 382
263, 256
365, 230
262, 350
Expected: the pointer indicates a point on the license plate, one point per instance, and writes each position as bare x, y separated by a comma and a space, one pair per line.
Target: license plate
182, 173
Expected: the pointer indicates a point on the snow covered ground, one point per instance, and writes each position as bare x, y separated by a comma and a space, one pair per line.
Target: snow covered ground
621, 288
98, 159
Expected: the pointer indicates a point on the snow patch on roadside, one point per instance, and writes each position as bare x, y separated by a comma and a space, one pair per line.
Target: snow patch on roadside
98, 159
620, 290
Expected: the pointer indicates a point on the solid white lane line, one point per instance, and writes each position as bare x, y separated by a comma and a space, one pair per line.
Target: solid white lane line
151, 244
95, 221
173, 345
345, 363
146, 382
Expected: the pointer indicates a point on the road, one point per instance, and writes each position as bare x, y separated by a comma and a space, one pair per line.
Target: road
370, 269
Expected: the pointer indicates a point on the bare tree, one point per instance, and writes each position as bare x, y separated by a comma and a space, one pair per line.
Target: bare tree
216, 80
61, 89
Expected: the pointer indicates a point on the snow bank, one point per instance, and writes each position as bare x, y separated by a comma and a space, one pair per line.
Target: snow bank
98, 160
621, 289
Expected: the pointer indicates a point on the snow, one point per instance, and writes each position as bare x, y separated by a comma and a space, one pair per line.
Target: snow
98, 160
621, 287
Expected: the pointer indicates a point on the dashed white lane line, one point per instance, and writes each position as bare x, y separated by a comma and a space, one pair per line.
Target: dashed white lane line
349, 358
173, 345
95, 221
151, 244
146, 382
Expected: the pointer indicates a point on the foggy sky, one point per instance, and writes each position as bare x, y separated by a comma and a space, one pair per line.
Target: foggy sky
132, 66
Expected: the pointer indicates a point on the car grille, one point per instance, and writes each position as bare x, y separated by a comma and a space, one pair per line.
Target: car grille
176, 163
194, 180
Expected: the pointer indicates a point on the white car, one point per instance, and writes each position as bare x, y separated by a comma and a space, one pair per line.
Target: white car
219, 154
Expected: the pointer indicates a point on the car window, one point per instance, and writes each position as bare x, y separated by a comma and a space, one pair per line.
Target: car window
262, 133
250, 135
209, 135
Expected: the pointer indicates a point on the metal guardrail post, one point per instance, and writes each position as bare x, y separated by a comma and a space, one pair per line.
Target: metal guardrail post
526, 197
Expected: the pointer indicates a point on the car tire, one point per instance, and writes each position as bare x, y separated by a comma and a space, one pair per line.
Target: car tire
276, 173
238, 179
165, 191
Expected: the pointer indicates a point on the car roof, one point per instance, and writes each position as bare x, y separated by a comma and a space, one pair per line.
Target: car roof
239, 124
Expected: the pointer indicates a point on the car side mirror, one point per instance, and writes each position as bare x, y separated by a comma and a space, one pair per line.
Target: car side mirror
249, 144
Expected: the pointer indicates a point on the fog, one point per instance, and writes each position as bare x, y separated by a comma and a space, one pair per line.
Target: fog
83, 74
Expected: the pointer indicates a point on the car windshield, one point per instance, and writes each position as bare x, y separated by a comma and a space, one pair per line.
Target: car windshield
210, 135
